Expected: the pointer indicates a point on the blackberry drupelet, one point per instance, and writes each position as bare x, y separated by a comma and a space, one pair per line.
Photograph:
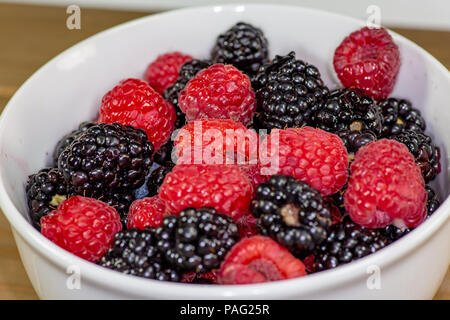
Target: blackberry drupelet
107, 157
164, 154
243, 46
288, 93
196, 240
292, 213
134, 252
156, 178
426, 153
45, 190
399, 115
355, 139
352, 114
186, 73
433, 202
348, 242
68, 139
119, 200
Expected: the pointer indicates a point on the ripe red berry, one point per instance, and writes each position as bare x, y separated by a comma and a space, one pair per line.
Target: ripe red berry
247, 225
259, 259
220, 91
146, 212
216, 141
223, 187
314, 156
368, 59
133, 102
385, 187
82, 226
163, 72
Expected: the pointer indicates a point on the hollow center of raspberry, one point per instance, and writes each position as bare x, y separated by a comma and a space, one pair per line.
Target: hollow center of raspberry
267, 269
366, 52
289, 213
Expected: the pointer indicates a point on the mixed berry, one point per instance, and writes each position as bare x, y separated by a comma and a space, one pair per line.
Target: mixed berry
242, 168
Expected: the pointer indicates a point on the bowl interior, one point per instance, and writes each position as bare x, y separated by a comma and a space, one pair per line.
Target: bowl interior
68, 90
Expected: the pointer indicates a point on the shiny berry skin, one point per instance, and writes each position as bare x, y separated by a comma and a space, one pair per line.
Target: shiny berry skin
217, 141
314, 156
223, 187
156, 179
163, 72
107, 157
243, 46
220, 91
82, 226
146, 212
133, 102
385, 187
368, 59
259, 259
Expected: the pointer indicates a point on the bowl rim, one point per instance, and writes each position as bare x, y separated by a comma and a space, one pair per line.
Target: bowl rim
93, 273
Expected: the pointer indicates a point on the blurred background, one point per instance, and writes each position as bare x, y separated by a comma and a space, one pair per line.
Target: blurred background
34, 31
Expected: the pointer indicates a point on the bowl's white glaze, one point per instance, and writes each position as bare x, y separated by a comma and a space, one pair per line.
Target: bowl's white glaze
68, 90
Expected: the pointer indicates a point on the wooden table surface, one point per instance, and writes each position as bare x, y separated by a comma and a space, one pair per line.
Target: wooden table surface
31, 35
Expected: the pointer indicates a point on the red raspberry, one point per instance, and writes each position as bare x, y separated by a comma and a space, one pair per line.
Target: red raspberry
209, 277
247, 226
82, 226
259, 259
220, 91
253, 172
385, 187
368, 59
163, 72
133, 102
216, 141
146, 212
314, 156
223, 187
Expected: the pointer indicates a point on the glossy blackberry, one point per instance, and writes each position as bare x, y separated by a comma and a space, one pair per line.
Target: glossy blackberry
164, 154
107, 157
119, 200
288, 93
292, 213
68, 139
156, 178
45, 190
355, 139
399, 115
426, 153
243, 46
134, 252
349, 109
348, 242
186, 73
196, 240
433, 202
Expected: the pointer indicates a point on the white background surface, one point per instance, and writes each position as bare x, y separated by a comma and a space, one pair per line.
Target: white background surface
428, 14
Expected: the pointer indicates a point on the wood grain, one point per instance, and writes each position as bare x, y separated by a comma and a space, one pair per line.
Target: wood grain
31, 35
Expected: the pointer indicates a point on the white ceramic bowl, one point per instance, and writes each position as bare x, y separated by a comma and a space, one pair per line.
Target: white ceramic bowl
68, 90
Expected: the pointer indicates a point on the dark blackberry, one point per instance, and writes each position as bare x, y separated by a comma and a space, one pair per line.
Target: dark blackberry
186, 73
45, 190
425, 152
288, 93
243, 46
355, 139
164, 154
156, 179
134, 252
292, 213
120, 200
107, 157
68, 139
349, 109
398, 115
196, 240
394, 233
347, 242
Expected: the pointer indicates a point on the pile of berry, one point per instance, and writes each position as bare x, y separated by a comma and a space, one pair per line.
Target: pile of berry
270, 175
